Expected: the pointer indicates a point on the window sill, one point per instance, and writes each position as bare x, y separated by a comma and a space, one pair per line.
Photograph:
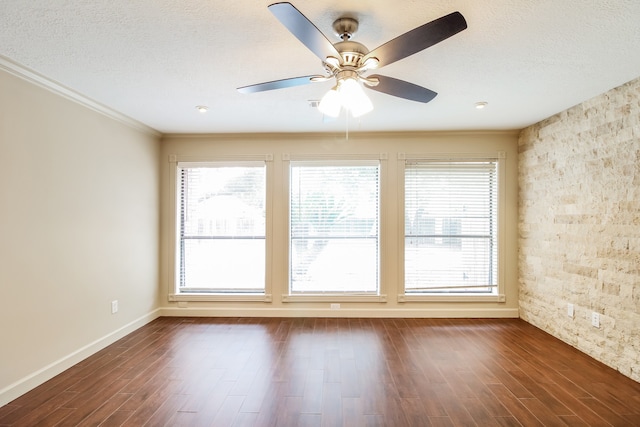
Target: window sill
220, 297
451, 298
336, 297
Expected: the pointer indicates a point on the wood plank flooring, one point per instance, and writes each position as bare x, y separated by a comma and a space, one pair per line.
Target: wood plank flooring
333, 372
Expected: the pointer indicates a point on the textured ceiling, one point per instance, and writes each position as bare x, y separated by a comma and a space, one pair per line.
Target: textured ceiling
155, 60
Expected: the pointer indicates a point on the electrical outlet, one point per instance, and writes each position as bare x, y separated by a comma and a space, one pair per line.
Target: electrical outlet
570, 310
335, 306
595, 319
114, 306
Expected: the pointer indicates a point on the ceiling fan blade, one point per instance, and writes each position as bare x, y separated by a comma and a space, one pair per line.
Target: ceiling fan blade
418, 39
401, 89
304, 30
277, 84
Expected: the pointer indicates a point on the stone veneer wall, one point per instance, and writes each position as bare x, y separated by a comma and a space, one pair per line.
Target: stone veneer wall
579, 225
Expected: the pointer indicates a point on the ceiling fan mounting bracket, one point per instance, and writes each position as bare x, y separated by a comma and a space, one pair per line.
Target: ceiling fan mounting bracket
345, 27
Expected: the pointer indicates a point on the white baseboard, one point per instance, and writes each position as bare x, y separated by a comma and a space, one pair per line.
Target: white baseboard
33, 380
350, 312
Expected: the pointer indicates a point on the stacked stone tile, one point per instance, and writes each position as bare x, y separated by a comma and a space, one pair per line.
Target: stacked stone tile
579, 225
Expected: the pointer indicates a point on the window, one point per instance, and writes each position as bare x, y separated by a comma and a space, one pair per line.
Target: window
334, 221
221, 227
451, 227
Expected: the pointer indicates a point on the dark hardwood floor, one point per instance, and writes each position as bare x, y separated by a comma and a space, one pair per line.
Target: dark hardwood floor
333, 372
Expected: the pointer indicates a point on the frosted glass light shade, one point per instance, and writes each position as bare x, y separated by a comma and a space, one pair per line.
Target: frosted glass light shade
330, 103
353, 98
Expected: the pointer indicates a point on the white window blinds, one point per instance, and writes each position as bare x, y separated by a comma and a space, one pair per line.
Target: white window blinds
222, 227
334, 227
451, 226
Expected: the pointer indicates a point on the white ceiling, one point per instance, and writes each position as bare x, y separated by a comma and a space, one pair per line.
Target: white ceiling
155, 60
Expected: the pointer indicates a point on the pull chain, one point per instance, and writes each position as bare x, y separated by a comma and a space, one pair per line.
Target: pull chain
347, 130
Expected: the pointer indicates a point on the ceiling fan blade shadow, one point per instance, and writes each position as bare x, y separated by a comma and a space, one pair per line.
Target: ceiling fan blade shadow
277, 84
402, 89
418, 39
304, 30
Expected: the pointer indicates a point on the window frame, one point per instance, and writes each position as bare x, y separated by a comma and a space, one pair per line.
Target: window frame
176, 162
499, 296
335, 297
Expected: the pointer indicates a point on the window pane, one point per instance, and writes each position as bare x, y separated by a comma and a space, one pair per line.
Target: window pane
451, 227
334, 228
223, 264
222, 228
334, 265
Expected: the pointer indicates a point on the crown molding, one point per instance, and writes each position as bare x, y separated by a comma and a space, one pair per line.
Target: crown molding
31, 76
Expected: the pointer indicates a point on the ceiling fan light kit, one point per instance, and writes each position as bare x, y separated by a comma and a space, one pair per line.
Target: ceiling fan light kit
348, 94
348, 61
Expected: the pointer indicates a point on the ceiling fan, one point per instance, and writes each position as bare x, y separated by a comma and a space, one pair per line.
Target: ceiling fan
348, 61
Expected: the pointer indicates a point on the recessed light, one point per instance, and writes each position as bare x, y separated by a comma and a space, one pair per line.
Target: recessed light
202, 108
481, 105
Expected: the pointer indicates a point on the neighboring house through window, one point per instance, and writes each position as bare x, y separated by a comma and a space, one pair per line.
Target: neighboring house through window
221, 227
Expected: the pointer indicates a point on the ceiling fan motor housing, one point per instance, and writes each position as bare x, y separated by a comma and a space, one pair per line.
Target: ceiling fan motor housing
351, 53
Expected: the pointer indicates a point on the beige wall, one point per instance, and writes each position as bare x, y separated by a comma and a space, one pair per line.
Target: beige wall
197, 147
580, 226
78, 229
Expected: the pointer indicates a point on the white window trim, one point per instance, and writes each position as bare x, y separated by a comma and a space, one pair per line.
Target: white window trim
334, 297
500, 296
173, 261
353, 297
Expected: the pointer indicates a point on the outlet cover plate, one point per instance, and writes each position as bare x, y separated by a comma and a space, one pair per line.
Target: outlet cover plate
570, 310
595, 319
